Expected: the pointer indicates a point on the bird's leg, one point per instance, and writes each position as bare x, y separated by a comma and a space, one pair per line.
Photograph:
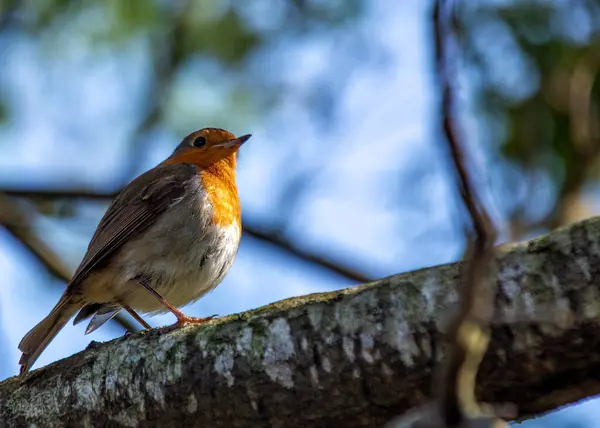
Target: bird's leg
135, 315
182, 319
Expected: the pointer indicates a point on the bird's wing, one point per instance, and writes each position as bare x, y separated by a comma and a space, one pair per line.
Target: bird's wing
137, 207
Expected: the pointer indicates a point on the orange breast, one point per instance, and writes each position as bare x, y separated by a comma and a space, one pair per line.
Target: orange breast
219, 182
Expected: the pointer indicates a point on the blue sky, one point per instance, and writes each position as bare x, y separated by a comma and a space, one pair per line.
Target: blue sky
378, 195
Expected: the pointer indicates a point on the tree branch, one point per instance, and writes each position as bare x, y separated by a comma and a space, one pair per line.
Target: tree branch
252, 230
351, 358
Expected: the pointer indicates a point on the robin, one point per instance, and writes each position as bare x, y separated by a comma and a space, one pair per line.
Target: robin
169, 237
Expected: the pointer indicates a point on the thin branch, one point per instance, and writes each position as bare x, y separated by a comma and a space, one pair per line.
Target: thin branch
290, 249
50, 194
16, 221
469, 331
251, 230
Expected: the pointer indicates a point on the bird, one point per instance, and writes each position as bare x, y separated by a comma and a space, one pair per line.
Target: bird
169, 237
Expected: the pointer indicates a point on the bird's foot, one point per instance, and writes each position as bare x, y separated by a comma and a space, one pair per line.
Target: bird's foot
184, 320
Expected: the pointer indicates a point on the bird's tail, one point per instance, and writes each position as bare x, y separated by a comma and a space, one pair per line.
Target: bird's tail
38, 338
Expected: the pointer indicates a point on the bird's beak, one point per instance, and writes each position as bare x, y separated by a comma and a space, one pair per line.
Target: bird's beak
231, 143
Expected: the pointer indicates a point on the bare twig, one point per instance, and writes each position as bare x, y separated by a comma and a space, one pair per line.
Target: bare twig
468, 332
50, 194
252, 230
16, 221
289, 248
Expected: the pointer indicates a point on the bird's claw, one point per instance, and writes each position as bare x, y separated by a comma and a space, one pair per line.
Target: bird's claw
187, 320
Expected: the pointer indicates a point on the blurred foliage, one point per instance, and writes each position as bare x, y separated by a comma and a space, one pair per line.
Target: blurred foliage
227, 30
199, 46
180, 33
536, 76
535, 64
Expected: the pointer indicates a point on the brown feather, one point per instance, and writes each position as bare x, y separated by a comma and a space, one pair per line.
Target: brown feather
40, 336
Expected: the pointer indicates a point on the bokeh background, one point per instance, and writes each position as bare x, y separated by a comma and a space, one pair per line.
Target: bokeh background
346, 178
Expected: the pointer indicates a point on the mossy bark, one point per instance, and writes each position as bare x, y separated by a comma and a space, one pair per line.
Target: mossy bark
351, 358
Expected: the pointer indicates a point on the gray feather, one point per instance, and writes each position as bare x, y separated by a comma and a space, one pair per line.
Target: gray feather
86, 312
106, 313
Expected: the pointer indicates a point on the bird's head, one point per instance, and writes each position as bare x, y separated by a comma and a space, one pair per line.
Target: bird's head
208, 147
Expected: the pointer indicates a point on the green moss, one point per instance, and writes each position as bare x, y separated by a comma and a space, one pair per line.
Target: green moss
174, 352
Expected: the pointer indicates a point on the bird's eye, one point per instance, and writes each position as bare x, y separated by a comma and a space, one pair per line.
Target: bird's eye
199, 142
